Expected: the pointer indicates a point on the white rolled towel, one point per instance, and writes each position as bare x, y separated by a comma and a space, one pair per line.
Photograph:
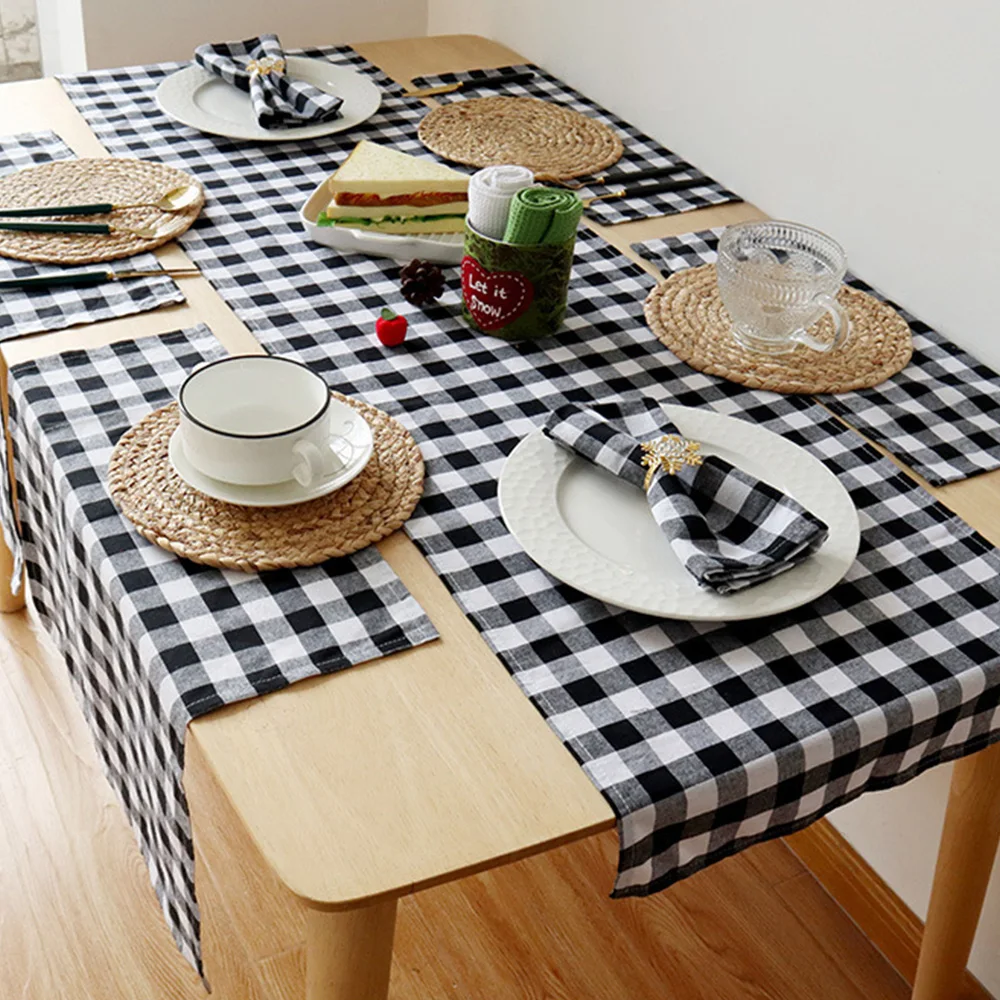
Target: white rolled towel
490, 193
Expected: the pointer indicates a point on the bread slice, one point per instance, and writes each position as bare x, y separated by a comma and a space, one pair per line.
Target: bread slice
380, 170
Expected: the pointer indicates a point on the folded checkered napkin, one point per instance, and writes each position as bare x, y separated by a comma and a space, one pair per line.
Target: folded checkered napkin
258, 67
729, 529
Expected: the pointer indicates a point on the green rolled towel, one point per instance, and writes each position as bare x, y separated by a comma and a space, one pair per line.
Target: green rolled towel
543, 215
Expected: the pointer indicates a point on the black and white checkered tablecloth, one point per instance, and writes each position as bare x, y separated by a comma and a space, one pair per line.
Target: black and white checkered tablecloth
640, 150
24, 312
705, 739
941, 413
152, 641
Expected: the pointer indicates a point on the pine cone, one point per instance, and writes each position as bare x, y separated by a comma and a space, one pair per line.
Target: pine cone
422, 282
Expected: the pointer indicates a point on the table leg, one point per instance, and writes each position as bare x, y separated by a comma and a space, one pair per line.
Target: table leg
965, 860
9, 601
349, 952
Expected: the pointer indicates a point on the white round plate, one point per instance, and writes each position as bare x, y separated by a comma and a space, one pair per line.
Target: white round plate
195, 97
280, 494
596, 533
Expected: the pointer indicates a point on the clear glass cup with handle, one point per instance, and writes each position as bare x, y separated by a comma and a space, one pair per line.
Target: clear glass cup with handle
776, 279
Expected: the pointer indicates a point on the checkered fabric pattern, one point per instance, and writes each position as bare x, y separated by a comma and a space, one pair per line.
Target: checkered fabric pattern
257, 66
250, 222
728, 529
941, 413
704, 738
640, 150
755, 729
120, 106
57, 308
152, 641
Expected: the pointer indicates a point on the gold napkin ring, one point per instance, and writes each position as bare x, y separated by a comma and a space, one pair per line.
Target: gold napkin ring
669, 453
266, 64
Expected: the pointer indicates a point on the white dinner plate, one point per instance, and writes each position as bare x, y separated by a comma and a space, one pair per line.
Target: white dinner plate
596, 533
359, 434
440, 248
195, 97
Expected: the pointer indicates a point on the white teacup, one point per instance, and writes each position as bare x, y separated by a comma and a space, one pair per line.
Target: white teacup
255, 420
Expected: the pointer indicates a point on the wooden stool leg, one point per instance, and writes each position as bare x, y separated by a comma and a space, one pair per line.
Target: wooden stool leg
9, 601
965, 860
349, 952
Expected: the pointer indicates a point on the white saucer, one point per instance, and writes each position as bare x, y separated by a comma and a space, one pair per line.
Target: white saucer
278, 494
195, 97
596, 533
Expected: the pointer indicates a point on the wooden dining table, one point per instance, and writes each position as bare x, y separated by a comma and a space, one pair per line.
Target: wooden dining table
318, 807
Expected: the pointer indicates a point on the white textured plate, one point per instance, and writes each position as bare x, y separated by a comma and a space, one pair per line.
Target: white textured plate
195, 97
441, 248
596, 533
359, 434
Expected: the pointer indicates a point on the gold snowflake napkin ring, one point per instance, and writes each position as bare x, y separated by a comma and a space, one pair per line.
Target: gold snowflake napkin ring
266, 64
671, 453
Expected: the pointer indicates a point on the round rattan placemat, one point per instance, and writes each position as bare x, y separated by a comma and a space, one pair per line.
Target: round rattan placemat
547, 138
87, 182
687, 315
176, 517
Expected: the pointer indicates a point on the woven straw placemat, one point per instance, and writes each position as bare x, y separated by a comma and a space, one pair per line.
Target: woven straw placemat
176, 517
88, 182
687, 315
547, 138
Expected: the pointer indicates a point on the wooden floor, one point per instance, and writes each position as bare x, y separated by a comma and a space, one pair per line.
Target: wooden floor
78, 918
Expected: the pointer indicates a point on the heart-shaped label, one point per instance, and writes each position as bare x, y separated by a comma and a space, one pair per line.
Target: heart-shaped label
494, 299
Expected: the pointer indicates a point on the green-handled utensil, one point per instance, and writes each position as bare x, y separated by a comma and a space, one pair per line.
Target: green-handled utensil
85, 279
174, 200
99, 228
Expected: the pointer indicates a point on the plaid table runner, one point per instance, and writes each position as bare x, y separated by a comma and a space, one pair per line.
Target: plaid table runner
941, 413
39, 311
704, 738
640, 150
152, 641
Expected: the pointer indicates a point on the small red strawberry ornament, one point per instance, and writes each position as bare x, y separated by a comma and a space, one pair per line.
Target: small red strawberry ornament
390, 328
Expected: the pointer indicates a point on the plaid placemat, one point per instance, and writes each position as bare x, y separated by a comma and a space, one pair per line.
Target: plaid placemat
55, 309
640, 150
704, 738
152, 641
941, 413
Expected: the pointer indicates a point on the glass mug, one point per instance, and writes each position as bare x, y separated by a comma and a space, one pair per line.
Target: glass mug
776, 279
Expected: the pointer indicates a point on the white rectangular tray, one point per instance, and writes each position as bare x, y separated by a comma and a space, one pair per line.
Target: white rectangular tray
441, 248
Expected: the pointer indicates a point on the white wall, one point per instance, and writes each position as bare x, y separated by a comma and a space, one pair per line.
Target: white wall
873, 119
876, 120
127, 32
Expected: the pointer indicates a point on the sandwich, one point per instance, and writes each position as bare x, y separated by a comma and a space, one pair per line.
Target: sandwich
385, 191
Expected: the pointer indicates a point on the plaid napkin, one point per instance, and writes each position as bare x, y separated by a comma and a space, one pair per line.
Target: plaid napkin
258, 67
730, 530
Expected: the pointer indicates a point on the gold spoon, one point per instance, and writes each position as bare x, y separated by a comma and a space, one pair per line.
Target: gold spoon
175, 200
